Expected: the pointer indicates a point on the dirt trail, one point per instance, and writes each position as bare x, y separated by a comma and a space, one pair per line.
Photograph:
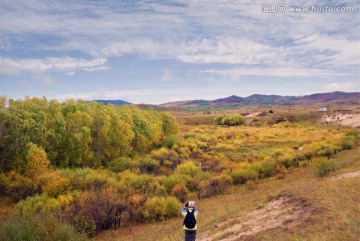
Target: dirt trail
283, 211
346, 175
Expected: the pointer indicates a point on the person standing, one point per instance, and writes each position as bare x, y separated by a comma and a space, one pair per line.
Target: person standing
190, 212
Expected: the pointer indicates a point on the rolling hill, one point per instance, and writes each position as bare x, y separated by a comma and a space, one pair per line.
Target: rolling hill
337, 97
340, 98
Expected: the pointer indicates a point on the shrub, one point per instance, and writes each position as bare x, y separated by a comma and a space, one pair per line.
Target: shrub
120, 164
171, 181
188, 168
224, 181
229, 120
156, 189
137, 208
218, 120
164, 154
16, 186
38, 204
266, 169
53, 184
148, 165
172, 140
76, 177
173, 207
180, 192
38, 227
155, 209
323, 167
243, 175
348, 142
353, 133
204, 189
214, 186
160, 208
136, 183
94, 210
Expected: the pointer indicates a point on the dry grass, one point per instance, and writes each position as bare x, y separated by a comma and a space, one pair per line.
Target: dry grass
335, 206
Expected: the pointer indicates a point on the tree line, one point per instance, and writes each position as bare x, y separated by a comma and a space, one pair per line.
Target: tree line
78, 133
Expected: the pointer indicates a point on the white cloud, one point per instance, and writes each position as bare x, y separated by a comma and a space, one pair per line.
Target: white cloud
14, 66
227, 50
336, 51
7, 67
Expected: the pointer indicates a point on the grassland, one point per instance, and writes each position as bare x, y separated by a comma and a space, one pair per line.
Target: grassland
334, 207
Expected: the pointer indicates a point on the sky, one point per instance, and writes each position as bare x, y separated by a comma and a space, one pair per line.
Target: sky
161, 51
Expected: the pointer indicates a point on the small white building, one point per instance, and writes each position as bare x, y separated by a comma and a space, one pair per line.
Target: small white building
322, 109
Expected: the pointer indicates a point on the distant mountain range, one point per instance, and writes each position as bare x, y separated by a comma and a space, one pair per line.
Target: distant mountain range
337, 97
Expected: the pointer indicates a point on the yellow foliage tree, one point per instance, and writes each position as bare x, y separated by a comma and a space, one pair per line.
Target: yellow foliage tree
37, 162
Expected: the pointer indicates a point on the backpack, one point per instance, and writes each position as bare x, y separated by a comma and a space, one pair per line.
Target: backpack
190, 221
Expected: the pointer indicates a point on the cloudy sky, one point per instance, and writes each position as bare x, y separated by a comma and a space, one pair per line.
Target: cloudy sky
161, 51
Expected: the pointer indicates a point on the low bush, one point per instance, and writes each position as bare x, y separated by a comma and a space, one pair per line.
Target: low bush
148, 165
172, 140
160, 208
16, 186
323, 167
120, 164
188, 168
229, 120
94, 210
214, 186
45, 227
53, 184
264, 169
37, 204
173, 207
180, 192
155, 209
171, 181
348, 142
243, 175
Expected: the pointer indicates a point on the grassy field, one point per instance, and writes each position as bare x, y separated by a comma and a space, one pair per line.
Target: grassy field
334, 208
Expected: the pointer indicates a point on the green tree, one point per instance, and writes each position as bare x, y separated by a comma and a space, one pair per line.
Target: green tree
79, 138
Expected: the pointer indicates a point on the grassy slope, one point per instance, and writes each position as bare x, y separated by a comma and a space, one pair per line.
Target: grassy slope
337, 205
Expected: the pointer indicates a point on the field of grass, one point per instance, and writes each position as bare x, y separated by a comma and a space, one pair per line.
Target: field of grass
334, 205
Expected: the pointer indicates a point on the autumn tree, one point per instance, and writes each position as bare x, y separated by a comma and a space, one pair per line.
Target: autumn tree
37, 162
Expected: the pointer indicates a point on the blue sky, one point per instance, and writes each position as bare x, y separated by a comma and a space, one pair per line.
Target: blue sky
161, 51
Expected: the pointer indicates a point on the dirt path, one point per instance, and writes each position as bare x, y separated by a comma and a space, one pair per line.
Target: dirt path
346, 175
285, 210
